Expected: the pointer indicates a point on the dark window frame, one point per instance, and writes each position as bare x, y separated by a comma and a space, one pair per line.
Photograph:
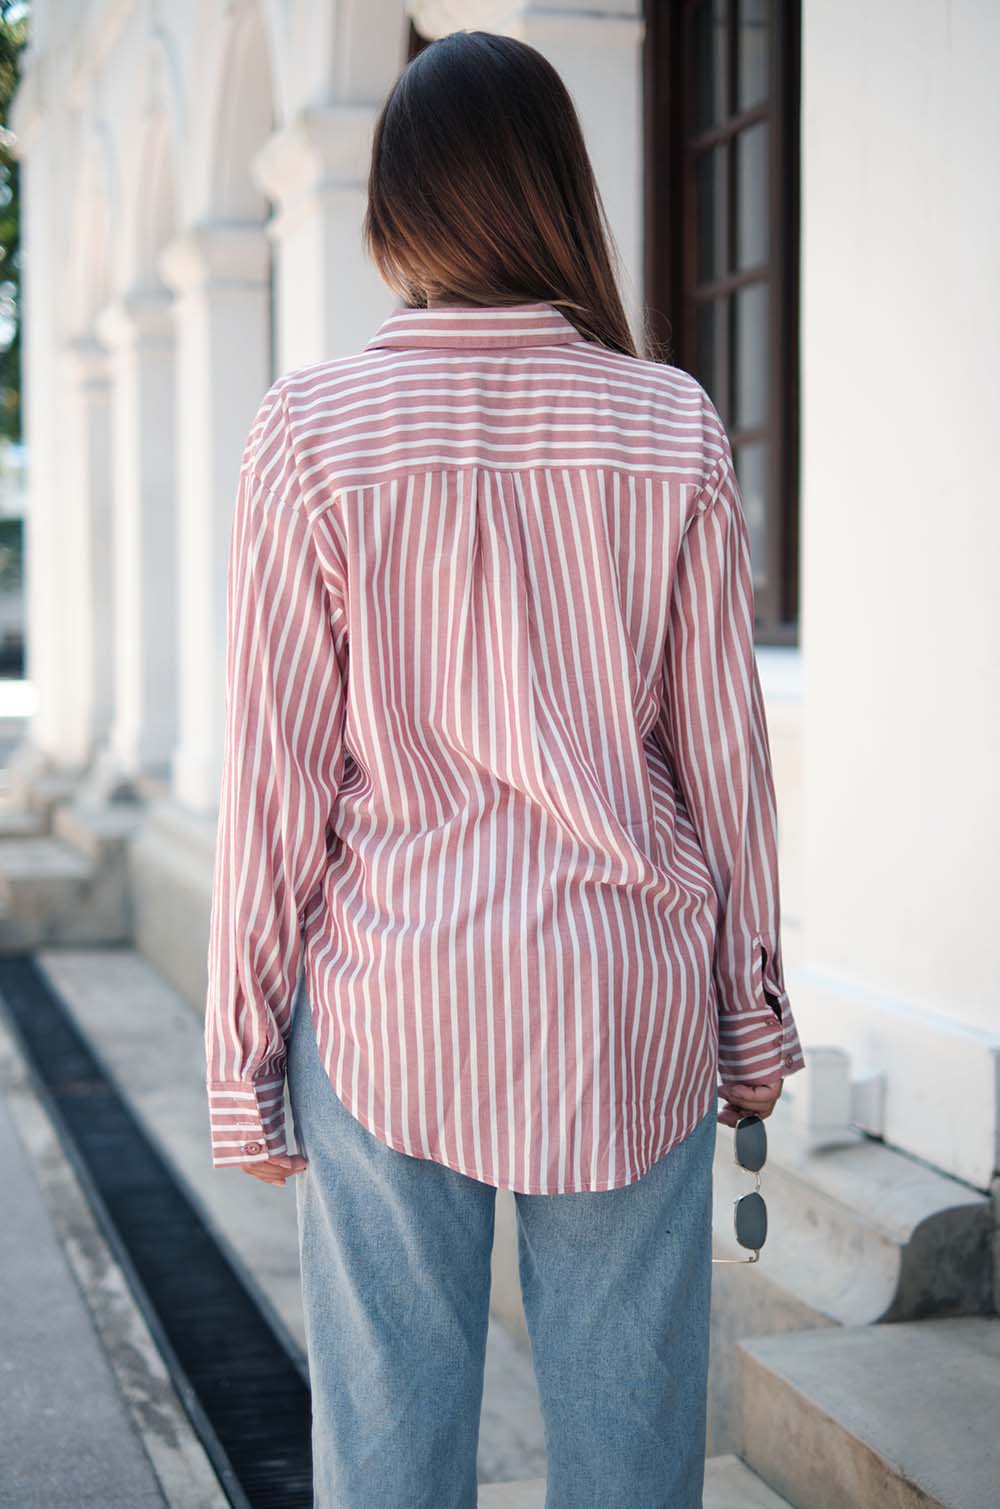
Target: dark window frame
415, 40
669, 250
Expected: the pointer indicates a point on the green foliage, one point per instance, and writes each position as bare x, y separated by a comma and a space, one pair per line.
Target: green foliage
13, 36
11, 553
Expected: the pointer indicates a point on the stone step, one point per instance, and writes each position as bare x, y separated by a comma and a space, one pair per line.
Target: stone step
47, 791
902, 1416
101, 833
729, 1484
20, 822
858, 1233
51, 893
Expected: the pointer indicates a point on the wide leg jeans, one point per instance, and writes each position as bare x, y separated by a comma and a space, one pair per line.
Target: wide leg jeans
396, 1266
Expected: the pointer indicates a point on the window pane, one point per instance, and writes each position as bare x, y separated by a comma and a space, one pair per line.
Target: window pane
708, 64
752, 197
751, 355
752, 52
709, 358
751, 474
709, 187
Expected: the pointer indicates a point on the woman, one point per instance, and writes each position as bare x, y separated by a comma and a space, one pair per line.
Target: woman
496, 882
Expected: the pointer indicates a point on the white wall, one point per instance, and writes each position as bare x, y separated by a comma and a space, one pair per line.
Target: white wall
901, 544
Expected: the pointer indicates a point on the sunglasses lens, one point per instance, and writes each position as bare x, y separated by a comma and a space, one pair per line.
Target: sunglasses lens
751, 1222
751, 1143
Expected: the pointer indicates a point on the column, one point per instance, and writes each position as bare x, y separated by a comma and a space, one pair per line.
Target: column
52, 738
330, 297
220, 273
88, 526
138, 333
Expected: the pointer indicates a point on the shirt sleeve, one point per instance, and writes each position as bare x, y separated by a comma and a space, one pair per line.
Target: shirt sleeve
721, 754
283, 764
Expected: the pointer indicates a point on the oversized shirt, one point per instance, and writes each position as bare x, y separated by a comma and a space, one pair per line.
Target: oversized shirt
496, 772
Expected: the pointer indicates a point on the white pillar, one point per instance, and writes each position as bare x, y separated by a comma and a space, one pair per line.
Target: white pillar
330, 297
222, 314
53, 737
138, 332
88, 525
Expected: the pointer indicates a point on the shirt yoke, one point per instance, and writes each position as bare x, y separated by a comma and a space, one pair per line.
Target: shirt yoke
380, 416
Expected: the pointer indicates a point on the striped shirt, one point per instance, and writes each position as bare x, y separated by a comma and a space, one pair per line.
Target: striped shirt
496, 771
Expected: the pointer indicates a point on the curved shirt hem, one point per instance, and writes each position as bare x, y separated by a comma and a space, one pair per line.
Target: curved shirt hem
572, 1189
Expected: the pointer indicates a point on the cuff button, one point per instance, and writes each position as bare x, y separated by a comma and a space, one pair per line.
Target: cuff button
789, 1059
253, 1147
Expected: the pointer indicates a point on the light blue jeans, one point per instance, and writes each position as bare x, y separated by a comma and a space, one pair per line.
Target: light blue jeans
395, 1254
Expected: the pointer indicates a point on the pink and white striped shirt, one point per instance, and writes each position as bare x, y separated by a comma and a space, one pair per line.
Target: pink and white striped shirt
496, 769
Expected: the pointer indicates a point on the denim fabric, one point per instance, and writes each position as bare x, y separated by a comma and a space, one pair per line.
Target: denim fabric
396, 1263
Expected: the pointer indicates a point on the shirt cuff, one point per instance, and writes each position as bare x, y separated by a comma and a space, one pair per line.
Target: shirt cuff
247, 1119
760, 1041
757, 1045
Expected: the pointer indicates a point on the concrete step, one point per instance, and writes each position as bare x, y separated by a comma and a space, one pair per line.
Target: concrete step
47, 791
729, 1484
51, 893
101, 833
19, 822
859, 1233
897, 1416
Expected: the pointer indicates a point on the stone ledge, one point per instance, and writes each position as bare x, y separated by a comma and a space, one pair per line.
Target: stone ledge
729, 1484
894, 1415
860, 1232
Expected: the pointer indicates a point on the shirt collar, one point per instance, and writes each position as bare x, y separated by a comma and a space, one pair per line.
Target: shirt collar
495, 325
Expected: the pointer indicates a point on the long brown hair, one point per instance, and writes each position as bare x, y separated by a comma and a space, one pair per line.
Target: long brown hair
481, 189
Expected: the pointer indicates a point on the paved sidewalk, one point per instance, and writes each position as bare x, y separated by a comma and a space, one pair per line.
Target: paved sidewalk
90, 1416
68, 1436
149, 1041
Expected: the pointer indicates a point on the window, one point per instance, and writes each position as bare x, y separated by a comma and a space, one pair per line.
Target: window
721, 85
415, 40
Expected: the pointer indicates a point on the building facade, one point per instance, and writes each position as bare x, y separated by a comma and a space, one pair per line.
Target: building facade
797, 196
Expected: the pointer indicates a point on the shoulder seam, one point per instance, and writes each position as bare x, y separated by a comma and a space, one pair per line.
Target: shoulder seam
711, 488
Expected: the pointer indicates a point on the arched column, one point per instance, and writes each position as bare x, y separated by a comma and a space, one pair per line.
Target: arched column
331, 299
138, 332
316, 171
89, 524
220, 274
67, 431
220, 270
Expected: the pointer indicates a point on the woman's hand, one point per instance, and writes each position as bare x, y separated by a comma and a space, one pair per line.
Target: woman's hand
758, 1098
274, 1170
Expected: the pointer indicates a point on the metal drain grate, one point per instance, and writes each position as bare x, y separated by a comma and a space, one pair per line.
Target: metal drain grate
247, 1398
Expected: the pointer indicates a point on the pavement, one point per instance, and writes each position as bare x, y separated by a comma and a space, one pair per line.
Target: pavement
86, 1399
90, 1417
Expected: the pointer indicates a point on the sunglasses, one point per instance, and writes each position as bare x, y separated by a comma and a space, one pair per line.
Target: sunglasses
750, 1214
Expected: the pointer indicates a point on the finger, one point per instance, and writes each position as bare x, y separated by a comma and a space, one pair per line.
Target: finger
279, 1163
762, 1109
732, 1089
758, 1108
267, 1169
728, 1116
